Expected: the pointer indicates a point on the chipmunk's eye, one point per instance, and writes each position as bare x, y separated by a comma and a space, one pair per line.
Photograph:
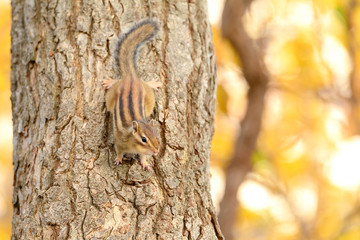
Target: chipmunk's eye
144, 140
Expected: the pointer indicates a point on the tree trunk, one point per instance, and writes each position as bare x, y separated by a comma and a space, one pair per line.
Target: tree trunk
65, 183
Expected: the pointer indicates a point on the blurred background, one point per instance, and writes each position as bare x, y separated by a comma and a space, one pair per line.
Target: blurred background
301, 177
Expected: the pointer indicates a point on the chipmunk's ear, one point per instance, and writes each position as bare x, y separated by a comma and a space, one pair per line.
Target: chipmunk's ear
152, 122
135, 126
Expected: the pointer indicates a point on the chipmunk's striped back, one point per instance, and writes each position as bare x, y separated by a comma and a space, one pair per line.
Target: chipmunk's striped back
129, 105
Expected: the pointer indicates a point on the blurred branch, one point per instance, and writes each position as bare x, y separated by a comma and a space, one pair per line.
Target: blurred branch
346, 223
355, 74
330, 95
257, 79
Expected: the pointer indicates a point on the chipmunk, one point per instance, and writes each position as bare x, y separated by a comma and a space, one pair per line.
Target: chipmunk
131, 100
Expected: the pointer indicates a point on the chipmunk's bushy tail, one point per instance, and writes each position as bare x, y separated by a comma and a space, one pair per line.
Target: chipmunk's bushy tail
130, 42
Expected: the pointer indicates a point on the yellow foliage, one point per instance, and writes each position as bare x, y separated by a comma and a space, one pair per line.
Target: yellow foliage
355, 19
296, 63
306, 116
5, 123
223, 49
5, 24
222, 143
222, 99
352, 234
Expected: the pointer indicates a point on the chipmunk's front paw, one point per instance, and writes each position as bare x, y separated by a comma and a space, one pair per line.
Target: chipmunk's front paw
154, 84
145, 165
118, 159
108, 82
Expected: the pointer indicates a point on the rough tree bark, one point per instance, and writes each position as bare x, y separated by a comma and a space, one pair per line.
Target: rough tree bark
65, 183
256, 76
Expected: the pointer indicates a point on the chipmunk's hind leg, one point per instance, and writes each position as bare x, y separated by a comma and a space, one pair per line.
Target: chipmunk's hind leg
112, 93
150, 96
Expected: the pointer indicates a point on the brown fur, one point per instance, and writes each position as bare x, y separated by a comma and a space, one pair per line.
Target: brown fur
130, 100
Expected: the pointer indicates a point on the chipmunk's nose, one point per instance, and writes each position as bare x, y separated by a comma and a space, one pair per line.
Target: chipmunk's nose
156, 152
